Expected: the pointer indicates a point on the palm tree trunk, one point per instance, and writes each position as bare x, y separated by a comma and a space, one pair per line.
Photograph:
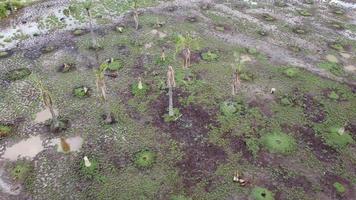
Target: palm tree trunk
170, 105
92, 35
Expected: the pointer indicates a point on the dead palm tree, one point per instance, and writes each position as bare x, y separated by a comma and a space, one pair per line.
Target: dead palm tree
88, 6
101, 88
170, 84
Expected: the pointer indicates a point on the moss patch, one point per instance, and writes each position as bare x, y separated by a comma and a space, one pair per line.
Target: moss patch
337, 138
278, 142
259, 193
339, 187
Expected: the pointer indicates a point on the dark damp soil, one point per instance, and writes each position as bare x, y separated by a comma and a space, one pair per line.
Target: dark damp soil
351, 127
201, 158
139, 66
313, 109
262, 105
294, 181
328, 181
238, 144
322, 151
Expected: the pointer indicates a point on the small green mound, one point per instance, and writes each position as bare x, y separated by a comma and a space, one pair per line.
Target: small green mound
137, 91
339, 187
291, 72
333, 95
278, 142
229, 108
5, 130
175, 117
21, 170
18, 74
332, 67
259, 193
337, 138
209, 56
247, 76
115, 65
91, 172
145, 158
81, 92
304, 13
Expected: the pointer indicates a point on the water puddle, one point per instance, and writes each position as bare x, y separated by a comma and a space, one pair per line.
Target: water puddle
44, 115
27, 148
30, 147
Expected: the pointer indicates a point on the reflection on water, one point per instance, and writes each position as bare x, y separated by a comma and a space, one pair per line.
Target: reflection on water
44, 115
30, 147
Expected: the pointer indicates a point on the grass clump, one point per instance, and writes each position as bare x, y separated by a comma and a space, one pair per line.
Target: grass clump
332, 67
259, 193
21, 170
278, 142
145, 158
139, 90
336, 46
339, 187
268, 17
291, 72
18, 74
209, 56
5, 130
337, 138
115, 65
175, 117
230, 108
92, 172
333, 95
81, 92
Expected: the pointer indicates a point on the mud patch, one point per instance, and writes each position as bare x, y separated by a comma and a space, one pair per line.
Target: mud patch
313, 109
201, 158
237, 144
322, 151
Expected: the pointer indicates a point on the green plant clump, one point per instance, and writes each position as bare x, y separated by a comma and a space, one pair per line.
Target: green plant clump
91, 172
336, 46
340, 188
81, 92
259, 193
115, 65
5, 130
333, 95
229, 108
175, 117
278, 142
304, 13
145, 158
334, 68
337, 139
209, 56
291, 72
18, 74
139, 92
21, 170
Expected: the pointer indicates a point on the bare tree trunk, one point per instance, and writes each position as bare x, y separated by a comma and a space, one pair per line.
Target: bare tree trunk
92, 35
136, 19
170, 105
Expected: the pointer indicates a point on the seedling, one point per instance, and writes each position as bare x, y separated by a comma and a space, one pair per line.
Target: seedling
145, 159
184, 45
87, 163
163, 56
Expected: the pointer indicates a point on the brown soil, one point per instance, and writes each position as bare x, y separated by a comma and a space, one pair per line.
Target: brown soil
237, 144
201, 158
322, 151
313, 109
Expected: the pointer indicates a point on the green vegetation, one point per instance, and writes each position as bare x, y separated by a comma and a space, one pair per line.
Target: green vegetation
337, 138
333, 95
81, 91
336, 46
209, 56
268, 17
172, 118
115, 65
139, 90
229, 108
291, 72
278, 142
5, 130
145, 158
180, 197
339, 187
332, 67
304, 13
259, 193
21, 170
18, 74
4, 54
92, 172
